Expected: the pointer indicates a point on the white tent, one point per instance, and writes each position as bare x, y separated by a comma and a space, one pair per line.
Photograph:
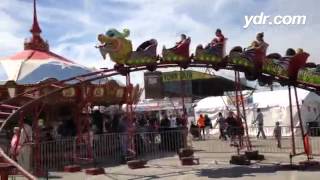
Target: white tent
211, 104
274, 106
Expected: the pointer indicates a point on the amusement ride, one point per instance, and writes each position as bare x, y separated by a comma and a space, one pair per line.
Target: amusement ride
290, 70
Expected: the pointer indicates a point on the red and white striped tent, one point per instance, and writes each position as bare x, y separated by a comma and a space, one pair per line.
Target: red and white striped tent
31, 66
37, 62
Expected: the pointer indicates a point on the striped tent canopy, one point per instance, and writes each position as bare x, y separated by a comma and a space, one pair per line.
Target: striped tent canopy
36, 62
32, 66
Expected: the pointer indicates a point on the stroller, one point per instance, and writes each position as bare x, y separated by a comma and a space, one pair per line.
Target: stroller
194, 130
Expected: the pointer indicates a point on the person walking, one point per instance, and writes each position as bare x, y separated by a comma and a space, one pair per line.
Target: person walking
165, 122
20, 150
97, 120
232, 127
259, 120
122, 129
201, 125
208, 125
173, 123
222, 126
277, 134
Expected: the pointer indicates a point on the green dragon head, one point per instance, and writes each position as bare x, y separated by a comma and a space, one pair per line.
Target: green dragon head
116, 44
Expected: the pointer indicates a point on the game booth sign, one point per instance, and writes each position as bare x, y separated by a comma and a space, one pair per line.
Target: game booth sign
192, 84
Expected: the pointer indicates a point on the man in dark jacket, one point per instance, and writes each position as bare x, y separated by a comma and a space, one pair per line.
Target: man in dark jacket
97, 120
208, 124
165, 122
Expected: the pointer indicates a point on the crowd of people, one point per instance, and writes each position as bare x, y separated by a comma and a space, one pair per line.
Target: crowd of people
231, 127
146, 126
115, 122
97, 123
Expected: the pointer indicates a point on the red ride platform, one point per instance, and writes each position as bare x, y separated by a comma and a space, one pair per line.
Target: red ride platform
94, 171
72, 168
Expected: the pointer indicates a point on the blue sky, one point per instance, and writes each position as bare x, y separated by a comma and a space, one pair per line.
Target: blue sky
71, 26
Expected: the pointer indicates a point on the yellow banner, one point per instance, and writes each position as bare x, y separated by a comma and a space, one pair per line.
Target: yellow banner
184, 75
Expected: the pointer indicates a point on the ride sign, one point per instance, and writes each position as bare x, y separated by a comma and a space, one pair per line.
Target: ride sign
184, 75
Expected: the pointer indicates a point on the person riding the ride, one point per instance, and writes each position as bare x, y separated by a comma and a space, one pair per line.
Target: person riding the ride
259, 45
217, 42
262, 45
299, 51
232, 126
253, 45
181, 42
289, 54
257, 51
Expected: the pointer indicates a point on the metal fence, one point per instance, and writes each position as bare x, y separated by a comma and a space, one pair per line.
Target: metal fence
108, 148
314, 134
213, 144
112, 148
54, 153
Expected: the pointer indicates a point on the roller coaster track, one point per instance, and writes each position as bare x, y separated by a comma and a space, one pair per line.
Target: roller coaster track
9, 110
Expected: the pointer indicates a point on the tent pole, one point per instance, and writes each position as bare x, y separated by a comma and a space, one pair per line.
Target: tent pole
36, 114
237, 97
301, 123
182, 89
237, 106
291, 123
244, 114
129, 113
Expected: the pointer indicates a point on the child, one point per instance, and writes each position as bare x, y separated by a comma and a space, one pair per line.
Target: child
299, 51
277, 134
253, 45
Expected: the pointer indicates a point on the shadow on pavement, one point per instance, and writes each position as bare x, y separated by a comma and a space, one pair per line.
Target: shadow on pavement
242, 171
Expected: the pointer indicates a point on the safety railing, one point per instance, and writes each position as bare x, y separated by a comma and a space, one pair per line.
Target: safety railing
112, 148
314, 138
108, 148
54, 154
212, 142
18, 168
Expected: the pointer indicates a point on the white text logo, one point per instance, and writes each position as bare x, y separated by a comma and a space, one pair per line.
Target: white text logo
274, 20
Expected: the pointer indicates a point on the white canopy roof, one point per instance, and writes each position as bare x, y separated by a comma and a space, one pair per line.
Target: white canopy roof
277, 97
260, 99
